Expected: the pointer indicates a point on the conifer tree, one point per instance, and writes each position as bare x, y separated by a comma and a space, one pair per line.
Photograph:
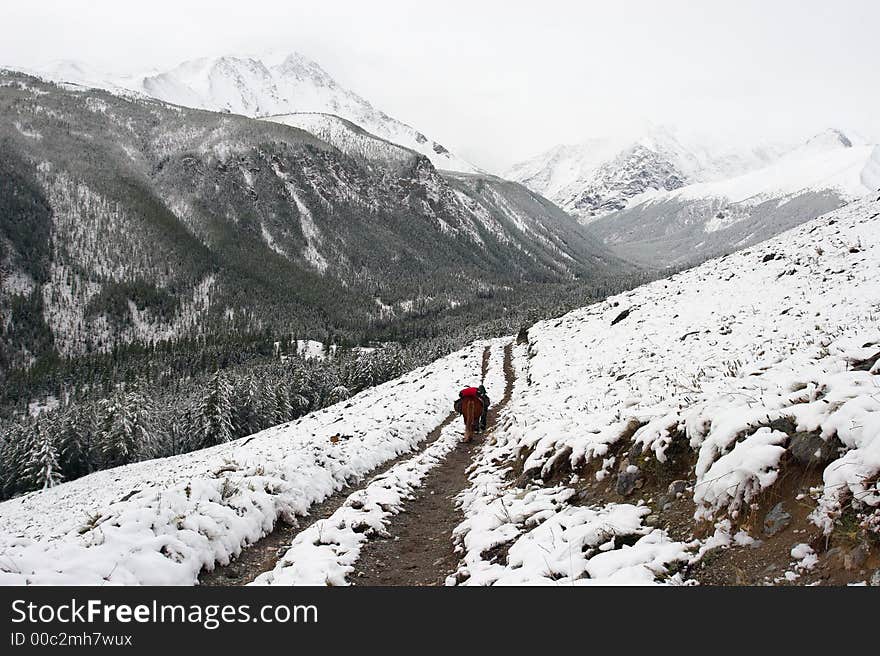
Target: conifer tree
216, 411
73, 436
42, 470
15, 448
124, 430
281, 410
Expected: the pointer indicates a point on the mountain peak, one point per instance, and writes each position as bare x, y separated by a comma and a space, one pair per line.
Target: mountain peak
279, 82
831, 137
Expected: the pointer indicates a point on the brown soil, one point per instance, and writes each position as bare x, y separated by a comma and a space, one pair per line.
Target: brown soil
262, 555
421, 550
765, 561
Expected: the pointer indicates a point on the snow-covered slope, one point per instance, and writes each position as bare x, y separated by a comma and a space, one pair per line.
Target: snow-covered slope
828, 161
349, 138
599, 176
262, 86
750, 372
332, 213
666, 200
162, 521
603, 176
705, 219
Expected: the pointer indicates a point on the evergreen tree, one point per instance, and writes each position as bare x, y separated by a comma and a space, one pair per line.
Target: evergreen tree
74, 438
216, 411
125, 431
246, 404
339, 393
300, 405
265, 414
283, 409
15, 448
42, 470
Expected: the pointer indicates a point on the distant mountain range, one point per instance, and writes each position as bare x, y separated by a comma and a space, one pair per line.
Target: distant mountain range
661, 200
124, 218
658, 199
258, 87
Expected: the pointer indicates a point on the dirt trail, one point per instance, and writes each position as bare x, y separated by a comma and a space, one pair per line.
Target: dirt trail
421, 551
263, 555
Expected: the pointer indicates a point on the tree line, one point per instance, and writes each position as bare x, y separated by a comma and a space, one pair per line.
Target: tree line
138, 421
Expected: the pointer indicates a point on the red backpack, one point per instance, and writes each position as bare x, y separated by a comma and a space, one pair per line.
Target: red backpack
468, 391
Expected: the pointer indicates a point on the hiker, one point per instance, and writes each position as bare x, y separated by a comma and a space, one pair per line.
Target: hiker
481, 394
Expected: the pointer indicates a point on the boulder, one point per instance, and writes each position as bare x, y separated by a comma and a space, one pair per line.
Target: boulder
777, 520
811, 450
855, 557
628, 480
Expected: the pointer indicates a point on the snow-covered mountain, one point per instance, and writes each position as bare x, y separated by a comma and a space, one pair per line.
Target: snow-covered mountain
150, 221
705, 219
257, 87
350, 138
666, 199
720, 426
600, 176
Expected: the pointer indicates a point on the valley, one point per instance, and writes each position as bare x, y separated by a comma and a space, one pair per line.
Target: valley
644, 439
237, 300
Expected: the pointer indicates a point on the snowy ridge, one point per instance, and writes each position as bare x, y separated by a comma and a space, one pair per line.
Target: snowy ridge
707, 219
162, 521
757, 362
602, 175
260, 86
695, 180
349, 138
853, 171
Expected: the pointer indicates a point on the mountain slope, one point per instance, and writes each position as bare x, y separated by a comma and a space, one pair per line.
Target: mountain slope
152, 221
600, 176
720, 426
505, 209
663, 200
259, 87
711, 218
351, 139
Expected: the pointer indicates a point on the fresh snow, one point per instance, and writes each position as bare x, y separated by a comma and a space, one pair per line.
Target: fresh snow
571, 175
260, 86
161, 521
566, 171
550, 540
718, 359
851, 171
324, 553
349, 138
710, 356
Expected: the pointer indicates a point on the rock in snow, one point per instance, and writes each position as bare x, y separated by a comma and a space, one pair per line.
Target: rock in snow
777, 520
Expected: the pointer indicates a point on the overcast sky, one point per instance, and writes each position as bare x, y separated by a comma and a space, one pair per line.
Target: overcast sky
500, 81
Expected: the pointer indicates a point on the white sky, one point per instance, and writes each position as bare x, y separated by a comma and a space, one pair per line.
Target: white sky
499, 81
